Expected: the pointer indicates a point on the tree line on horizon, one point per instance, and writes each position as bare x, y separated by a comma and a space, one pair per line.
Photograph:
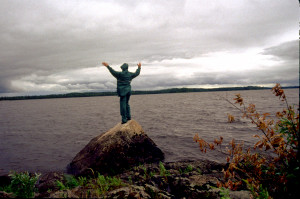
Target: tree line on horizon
113, 93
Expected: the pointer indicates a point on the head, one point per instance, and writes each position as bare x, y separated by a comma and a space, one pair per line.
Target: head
124, 67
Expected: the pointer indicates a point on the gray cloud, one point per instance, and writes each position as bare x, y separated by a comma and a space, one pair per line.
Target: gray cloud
41, 39
287, 76
286, 51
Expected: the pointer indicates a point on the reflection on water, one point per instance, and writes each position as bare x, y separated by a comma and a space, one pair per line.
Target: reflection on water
43, 135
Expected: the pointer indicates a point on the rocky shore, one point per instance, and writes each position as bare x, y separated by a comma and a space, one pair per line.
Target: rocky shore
185, 179
125, 163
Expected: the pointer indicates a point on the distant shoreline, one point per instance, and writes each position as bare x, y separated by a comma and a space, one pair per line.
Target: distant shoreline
163, 91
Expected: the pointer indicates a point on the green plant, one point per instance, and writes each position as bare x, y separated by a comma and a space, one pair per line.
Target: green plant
224, 193
151, 174
145, 176
88, 194
261, 194
91, 187
162, 170
60, 185
199, 171
188, 169
23, 184
64, 195
130, 180
71, 181
180, 171
102, 183
7, 189
82, 181
145, 173
107, 183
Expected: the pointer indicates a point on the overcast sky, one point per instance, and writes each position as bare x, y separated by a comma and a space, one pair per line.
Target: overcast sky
57, 46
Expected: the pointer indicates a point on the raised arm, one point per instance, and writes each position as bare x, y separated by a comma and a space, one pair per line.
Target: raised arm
138, 70
112, 71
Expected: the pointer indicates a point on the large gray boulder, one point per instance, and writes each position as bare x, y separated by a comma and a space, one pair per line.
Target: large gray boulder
123, 146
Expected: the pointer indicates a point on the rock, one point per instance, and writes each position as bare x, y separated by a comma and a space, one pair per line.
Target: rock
195, 179
203, 180
243, 194
154, 192
123, 146
48, 181
132, 191
63, 194
179, 186
3, 194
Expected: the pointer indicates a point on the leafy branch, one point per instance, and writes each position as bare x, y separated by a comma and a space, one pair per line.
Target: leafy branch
277, 174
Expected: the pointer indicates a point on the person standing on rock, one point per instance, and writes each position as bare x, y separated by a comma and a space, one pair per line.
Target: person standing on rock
124, 88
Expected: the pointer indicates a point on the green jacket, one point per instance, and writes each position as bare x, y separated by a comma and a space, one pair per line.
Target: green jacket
124, 79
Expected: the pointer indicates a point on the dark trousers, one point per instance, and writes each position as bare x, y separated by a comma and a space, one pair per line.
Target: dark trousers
125, 108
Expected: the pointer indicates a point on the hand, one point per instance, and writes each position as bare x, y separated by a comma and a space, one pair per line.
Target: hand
105, 64
139, 64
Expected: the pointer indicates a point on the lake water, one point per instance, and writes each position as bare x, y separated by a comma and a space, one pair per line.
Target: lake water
45, 135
